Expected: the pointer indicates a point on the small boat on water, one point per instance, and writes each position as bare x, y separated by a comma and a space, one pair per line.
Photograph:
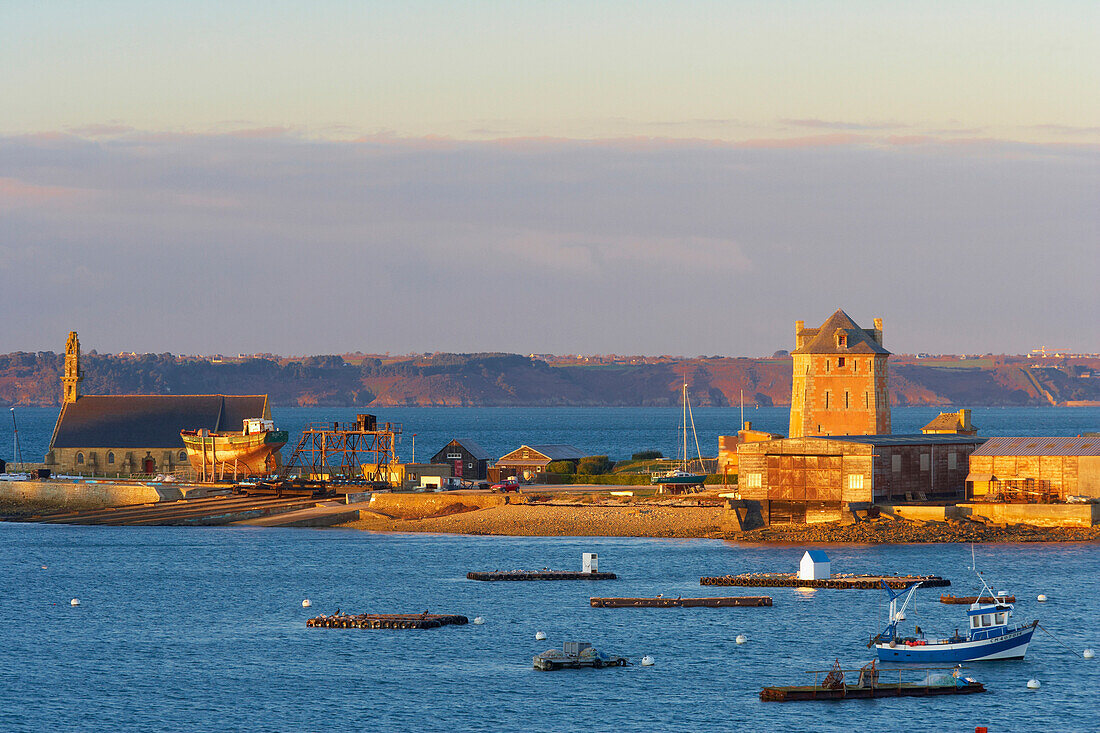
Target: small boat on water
575, 655
924, 682
682, 476
250, 452
990, 633
967, 600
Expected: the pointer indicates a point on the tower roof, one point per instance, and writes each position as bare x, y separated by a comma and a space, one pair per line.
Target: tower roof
823, 340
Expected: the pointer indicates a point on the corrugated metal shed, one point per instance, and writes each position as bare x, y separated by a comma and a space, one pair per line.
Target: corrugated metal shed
1040, 446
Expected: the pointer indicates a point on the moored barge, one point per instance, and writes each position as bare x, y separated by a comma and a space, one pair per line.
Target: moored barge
936, 681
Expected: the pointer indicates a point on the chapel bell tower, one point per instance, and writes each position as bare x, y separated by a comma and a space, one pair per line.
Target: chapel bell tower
72, 376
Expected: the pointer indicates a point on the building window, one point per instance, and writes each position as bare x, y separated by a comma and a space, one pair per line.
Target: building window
855, 481
840, 362
827, 362
183, 455
846, 399
925, 461
754, 480
952, 461
866, 400
895, 463
80, 459
110, 458
826, 399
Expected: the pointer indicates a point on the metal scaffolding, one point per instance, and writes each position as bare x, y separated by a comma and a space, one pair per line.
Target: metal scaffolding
356, 452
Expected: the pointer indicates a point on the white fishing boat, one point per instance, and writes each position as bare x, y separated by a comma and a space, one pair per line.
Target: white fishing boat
990, 633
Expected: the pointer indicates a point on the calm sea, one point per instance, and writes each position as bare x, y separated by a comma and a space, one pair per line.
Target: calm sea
616, 431
196, 629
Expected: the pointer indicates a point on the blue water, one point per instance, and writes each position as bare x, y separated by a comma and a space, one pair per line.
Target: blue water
615, 431
194, 629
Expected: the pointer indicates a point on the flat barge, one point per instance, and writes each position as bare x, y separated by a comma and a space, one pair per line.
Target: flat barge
791, 580
662, 602
539, 575
936, 681
968, 600
386, 621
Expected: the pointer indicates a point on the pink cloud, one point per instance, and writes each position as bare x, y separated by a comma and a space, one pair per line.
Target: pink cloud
14, 192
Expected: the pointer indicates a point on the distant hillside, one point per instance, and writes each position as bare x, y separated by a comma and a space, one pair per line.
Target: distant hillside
513, 380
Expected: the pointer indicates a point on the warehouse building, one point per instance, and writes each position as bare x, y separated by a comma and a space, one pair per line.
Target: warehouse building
1035, 470
816, 479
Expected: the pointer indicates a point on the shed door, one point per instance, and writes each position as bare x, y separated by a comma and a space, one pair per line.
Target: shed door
787, 512
458, 468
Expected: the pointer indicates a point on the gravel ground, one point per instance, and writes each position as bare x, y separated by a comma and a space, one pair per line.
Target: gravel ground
552, 521
674, 521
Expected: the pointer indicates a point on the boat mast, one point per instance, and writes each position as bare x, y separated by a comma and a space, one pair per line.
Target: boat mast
684, 433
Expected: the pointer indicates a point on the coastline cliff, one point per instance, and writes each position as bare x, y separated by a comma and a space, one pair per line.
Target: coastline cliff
497, 380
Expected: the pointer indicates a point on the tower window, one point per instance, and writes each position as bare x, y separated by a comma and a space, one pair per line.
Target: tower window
840, 362
845, 399
866, 400
826, 399
827, 365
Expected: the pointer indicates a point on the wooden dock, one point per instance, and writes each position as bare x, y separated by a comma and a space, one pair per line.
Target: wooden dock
539, 575
791, 580
663, 602
967, 600
386, 621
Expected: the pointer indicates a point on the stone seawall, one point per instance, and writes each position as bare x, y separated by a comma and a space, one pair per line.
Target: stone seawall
74, 496
1039, 515
408, 506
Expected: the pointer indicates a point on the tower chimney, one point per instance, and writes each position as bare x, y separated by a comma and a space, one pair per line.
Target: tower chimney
798, 338
878, 331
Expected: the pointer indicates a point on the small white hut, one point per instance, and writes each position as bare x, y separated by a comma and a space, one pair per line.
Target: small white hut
814, 566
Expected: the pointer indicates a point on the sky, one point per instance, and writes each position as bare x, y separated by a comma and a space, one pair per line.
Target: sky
636, 178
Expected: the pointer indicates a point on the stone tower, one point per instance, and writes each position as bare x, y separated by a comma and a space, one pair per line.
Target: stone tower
839, 383
71, 378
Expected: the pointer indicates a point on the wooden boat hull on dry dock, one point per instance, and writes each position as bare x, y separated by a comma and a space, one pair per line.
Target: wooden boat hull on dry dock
718, 602
386, 621
790, 580
539, 575
854, 692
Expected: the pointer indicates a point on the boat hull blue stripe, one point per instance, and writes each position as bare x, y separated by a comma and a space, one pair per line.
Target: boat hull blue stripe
972, 651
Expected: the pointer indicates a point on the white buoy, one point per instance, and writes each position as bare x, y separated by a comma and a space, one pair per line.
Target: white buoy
307, 603
479, 620
648, 661
1042, 598
741, 639
540, 635
1087, 654
74, 602
43, 567
1033, 684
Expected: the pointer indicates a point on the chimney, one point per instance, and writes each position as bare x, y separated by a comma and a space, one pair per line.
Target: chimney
748, 425
798, 338
878, 331
964, 419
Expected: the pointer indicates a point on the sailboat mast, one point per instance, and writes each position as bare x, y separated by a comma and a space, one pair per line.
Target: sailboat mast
684, 432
